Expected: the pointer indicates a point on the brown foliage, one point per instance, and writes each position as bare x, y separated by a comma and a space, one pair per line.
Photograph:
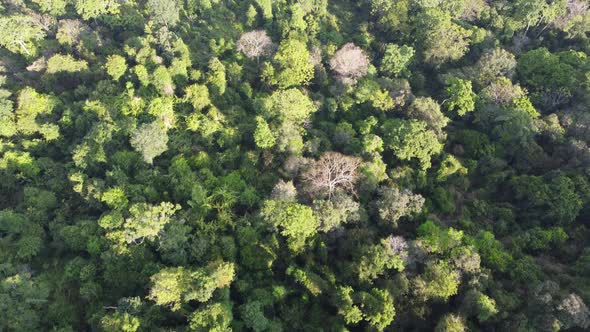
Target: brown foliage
255, 44
350, 63
333, 171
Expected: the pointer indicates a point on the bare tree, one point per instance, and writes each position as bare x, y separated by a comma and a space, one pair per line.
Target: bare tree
333, 171
255, 44
574, 312
350, 63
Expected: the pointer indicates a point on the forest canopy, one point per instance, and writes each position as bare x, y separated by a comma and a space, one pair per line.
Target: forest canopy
294, 165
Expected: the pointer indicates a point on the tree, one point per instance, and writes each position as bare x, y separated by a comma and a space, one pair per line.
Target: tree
442, 40
94, 8
215, 317
22, 297
396, 60
378, 308
409, 139
65, 63
116, 66
198, 96
164, 12
292, 64
394, 204
333, 171
150, 139
574, 312
253, 316
20, 34
491, 66
53, 7
120, 322
428, 110
460, 96
290, 105
376, 260
295, 221
145, 222
32, 107
440, 281
255, 44
349, 63
217, 77
176, 286
162, 80
451, 323
340, 210
263, 136
392, 16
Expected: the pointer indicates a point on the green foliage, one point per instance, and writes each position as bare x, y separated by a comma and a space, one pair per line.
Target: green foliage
53, 7
263, 136
442, 39
32, 106
120, 322
20, 34
198, 96
21, 298
434, 152
409, 139
396, 59
177, 286
292, 64
164, 12
215, 317
116, 66
94, 8
150, 139
65, 63
294, 221
461, 97
439, 281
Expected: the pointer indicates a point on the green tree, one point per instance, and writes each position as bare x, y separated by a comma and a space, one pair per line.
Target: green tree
164, 12
409, 139
32, 107
198, 96
176, 286
215, 317
94, 8
439, 281
65, 63
441, 39
396, 60
378, 308
263, 136
22, 298
53, 7
460, 96
451, 323
150, 139
292, 64
120, 322
20, 34
116, 66
295, 221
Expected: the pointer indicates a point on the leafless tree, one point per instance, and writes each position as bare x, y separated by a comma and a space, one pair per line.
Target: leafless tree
574, 312
574, 8
350, 63
333, 171
284, 190
255, 44
398, 245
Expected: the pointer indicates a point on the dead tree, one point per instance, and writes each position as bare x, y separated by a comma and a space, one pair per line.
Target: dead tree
333, 171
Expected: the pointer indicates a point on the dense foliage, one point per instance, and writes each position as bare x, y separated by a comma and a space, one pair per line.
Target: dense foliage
294, 165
